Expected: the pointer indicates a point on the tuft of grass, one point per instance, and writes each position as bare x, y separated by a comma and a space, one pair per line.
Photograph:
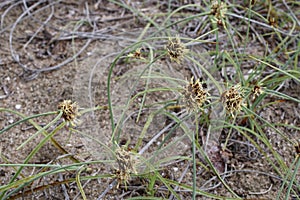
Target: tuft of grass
159, 121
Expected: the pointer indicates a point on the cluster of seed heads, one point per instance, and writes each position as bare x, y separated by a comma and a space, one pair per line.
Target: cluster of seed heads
218, 10
194, 95
127, 162
69, 111
232, 99
176, 49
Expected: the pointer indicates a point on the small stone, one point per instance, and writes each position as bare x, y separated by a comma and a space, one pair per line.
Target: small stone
18, 106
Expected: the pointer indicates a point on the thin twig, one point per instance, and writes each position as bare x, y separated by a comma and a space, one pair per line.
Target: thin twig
40, 28
291, 12
262, 24
5, 12
12, 51
263, 192
107, 189
179, 180
63, 187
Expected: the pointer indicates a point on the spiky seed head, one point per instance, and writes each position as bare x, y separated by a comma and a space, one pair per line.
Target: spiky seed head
176, 49
218, 10
70, 111
194, 95
122, 177
127, 162
232, 99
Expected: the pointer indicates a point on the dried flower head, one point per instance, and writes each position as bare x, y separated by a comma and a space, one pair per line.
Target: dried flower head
70, 111
219, 10
194, 94
127, 162
176, 49
256, 91
273, 19
232, 99
122, 177
137, 54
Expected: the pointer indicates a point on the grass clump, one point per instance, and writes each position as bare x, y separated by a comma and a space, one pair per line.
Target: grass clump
147, 142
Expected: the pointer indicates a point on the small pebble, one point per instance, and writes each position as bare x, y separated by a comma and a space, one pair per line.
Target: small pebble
18, 106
